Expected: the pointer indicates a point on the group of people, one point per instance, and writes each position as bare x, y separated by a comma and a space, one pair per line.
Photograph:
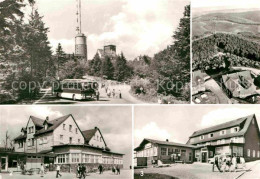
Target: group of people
228, 163
81, 171
116, 170
113, 93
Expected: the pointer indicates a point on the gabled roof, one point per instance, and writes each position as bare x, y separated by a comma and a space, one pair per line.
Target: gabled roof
240, 82
88, 134
20, 137
221, 126
145, 141
37, 121
54, 124
246, 120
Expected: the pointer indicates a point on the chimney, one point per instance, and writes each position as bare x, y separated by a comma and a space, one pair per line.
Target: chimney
167, 140
47, 118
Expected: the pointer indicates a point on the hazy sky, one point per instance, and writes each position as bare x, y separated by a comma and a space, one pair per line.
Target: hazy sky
200, 6
137, 27
226, 3
115, 123
177, 123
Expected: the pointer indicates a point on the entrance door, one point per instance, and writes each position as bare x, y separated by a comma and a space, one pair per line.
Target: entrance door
4, 163
204, 157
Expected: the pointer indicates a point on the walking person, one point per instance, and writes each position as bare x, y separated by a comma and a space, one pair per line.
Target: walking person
42, 170
83, 171
120, 95
58, 171
113, 93
233, 163
118, 170
100, 168
97, 95
216, 162
114, 170
108, 93
78, 171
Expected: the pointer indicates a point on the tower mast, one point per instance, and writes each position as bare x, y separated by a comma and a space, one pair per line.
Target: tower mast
78, 29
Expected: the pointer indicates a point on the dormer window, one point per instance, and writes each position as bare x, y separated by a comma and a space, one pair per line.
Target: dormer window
211, 135
235, 129
201, 137
223, 132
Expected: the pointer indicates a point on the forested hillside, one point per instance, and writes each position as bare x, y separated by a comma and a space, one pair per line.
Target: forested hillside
234, 49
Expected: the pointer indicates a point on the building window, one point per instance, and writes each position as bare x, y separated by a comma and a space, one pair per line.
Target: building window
78, 140
70, 140
254, 153
29, 142
64, 125
40, 141
258, 154
235, 129
61, 158
70, 128
211, 135
248, 152
46, 126
32, 142
45, 140
223, 132
61, 137
190, 156
100, 139
163, 151
201, 137
75, 158
222, 141
76, 130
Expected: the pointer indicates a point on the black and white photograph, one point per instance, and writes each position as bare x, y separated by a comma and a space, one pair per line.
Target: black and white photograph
65, 142
225, 52
200, 142
94, 51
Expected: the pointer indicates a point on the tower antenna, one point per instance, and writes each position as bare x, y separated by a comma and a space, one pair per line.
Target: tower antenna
78, 29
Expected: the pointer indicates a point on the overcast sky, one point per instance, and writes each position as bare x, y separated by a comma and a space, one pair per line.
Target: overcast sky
115, 123
177, 123
137, 27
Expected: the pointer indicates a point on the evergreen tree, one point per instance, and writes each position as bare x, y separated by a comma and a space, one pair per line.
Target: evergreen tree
95, 66
38, 46
60, 57
107, 68
122, 70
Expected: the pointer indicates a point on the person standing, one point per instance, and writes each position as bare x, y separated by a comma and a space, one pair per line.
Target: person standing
42, 170
58, 171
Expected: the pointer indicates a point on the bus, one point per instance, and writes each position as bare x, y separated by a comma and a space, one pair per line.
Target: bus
77, 89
